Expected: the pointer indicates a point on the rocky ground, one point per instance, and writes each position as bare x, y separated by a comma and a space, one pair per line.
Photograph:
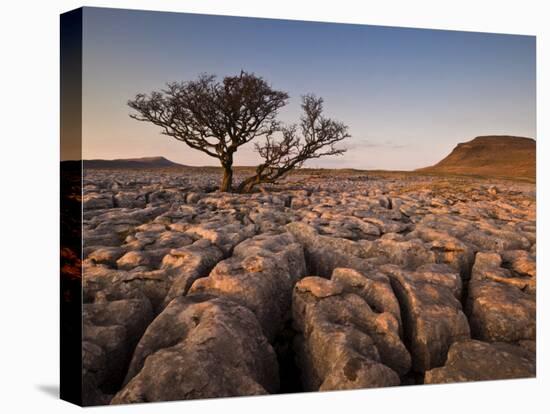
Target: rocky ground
324, 282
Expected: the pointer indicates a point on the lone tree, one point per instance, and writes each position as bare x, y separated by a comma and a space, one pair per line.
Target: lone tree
318, 138
218, 117
214, 117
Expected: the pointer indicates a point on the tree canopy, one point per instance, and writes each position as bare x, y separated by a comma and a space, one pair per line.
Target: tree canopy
218, 117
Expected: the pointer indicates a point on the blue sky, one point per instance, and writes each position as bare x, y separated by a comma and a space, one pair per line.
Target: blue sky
408, 95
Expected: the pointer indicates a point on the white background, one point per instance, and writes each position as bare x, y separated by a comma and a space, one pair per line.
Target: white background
29, 236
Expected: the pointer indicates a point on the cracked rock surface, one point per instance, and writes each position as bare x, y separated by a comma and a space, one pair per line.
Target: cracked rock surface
326, 281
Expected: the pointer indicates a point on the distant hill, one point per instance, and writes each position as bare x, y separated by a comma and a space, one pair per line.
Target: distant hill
494, 155
146, 162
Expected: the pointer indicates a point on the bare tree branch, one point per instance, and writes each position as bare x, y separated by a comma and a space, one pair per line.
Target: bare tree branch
214, 117
318, 138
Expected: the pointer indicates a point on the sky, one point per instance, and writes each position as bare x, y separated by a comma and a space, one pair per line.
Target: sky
408, 96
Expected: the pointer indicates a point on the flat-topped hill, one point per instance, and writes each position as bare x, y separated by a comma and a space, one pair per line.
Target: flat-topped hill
494, 155
145, 162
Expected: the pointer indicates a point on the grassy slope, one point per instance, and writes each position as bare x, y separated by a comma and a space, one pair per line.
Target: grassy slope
497, 156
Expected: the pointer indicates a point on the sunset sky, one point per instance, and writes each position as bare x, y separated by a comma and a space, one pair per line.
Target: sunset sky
408, 95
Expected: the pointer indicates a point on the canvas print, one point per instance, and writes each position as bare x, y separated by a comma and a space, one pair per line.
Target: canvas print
259, 206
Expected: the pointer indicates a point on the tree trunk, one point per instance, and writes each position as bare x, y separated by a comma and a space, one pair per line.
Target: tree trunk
227, 181
248, 184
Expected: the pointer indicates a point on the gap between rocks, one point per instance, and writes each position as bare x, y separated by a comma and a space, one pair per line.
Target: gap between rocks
289, 372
